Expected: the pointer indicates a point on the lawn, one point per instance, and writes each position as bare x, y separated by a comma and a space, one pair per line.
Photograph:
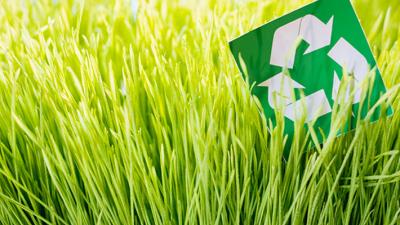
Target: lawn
115, 116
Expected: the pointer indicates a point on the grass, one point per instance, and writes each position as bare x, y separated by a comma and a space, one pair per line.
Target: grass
112, 118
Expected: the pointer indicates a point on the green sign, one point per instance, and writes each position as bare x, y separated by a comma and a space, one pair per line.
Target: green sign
315, 45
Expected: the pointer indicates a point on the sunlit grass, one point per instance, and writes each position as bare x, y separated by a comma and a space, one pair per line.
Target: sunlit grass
112, 118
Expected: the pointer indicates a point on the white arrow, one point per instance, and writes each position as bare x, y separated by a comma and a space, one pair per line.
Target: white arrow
344, 54
280, 89
310, 29
316, 33
315, 105
279, 94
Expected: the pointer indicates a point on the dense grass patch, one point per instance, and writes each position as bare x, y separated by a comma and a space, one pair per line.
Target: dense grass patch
112, 118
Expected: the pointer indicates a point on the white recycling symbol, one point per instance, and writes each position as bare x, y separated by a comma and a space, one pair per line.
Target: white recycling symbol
318, 35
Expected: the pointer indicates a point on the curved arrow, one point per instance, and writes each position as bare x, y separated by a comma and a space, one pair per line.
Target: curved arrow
309, 28
279, 90
316, 105
348, 57
279, 94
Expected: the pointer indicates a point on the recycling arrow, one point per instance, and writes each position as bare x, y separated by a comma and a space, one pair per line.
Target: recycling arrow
279, 90
279, 94
348, 57
310, 29
317, 105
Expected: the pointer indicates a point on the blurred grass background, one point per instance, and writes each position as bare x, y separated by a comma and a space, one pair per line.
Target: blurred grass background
112, 116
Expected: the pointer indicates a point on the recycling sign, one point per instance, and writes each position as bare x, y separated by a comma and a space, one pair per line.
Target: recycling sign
299, 60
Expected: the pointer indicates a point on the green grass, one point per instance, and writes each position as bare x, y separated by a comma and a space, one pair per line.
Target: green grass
108, 119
